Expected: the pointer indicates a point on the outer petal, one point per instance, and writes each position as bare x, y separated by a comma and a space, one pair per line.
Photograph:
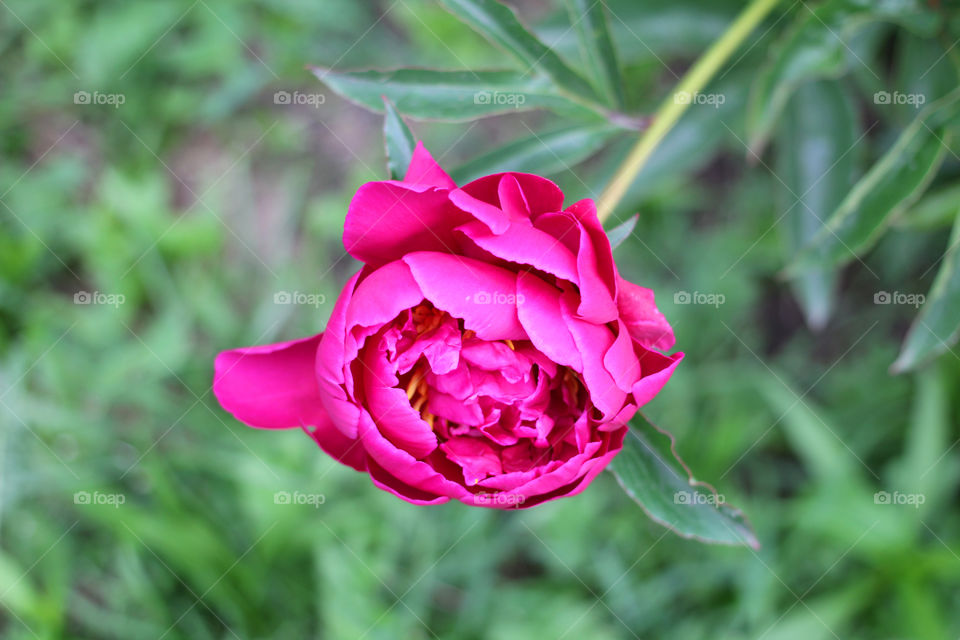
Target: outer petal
275, 387
598, 285
336, 445
482, 294
424, 169
332, 362
644, 321
657, 369
271, 386
388, 219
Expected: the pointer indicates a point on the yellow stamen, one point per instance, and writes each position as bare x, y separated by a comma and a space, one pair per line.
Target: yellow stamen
414, 383
509, 343
469, 333
429, 418
419, 403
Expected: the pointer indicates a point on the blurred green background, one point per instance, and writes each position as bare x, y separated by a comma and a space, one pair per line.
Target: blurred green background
132, 506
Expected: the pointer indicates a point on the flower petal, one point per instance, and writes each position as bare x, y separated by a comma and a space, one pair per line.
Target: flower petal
424, 169
542, 194
644, 321
538, 307
657, 369
483, 295
272, 386
387, 219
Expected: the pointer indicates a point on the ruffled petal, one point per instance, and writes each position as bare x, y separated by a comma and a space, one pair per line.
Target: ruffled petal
402, 466
540, 315
391, 410
493, 217
483, 295
542, 194
644, 321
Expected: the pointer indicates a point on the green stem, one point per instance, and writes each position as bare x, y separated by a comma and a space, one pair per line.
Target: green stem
672, 108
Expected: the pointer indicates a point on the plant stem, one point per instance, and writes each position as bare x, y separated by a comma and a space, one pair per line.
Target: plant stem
674, 106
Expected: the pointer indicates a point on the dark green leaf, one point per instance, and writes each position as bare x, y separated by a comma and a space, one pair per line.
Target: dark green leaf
399, 142
499, 24
543, 153
653, 475
937, 327
622, 231
589, 18
452, 95
822, 44
815, 161
892, 184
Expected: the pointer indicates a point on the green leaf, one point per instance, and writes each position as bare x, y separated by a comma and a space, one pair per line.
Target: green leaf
499, 24
934, 211
453, 96
651, 473
399, 142
543, 154
937, 327
815, 162
822, 44
891, 185
589, 18
622, 231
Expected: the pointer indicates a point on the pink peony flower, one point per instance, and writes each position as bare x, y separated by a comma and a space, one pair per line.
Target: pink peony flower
488, 350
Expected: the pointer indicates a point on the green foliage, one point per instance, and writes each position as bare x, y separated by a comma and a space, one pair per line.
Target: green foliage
207, 192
